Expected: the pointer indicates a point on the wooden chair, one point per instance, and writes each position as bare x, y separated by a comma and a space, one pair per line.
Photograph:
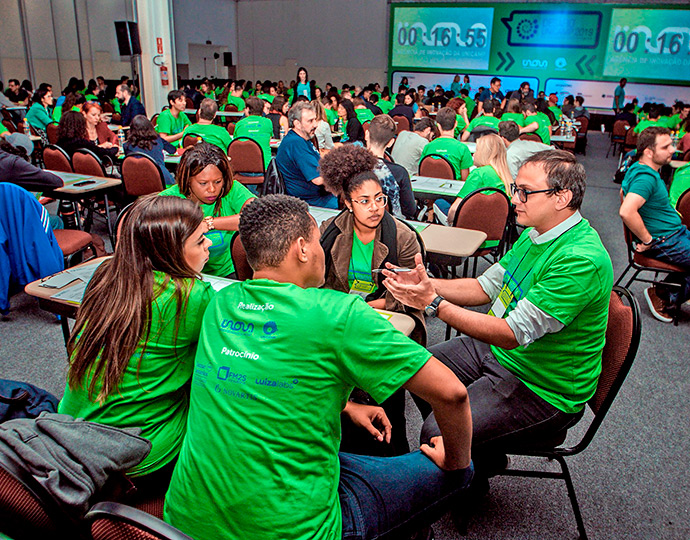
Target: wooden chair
436, 166
189, 103
622, 341
231, 107
141, 175
683, 207
9, 124
618, 136
231, 128
154, 119
531, 137
239, 259
114, 521
246, 156
84, 161
630, 142
402, 123
190, 140
56, 159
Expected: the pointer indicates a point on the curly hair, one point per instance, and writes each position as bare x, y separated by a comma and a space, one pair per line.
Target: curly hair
341, 168
72, 126
270, 225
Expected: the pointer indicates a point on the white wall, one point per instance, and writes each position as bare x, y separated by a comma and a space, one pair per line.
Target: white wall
199, 21
337, 42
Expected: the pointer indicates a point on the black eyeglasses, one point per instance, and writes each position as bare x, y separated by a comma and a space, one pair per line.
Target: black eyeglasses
523, 193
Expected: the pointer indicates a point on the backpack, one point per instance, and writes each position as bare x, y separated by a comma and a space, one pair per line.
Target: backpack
24, 400
626, 163
273, 180
389, 236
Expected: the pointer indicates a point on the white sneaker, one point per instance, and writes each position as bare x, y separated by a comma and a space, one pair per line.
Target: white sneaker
657, 306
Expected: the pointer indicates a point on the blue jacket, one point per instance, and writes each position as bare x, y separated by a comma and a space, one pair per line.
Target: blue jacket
28, 248
129, 111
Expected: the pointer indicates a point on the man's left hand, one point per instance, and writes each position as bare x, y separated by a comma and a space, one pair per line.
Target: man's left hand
371, 418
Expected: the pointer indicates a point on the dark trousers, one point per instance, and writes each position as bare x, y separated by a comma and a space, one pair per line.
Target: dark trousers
504, 410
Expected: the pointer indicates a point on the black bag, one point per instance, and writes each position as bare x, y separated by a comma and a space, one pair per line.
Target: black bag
273, 180
24, 400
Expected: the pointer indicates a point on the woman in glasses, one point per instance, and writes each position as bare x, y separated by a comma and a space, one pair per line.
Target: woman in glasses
358, 242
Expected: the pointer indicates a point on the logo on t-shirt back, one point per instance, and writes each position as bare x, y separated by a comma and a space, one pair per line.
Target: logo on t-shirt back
236, 327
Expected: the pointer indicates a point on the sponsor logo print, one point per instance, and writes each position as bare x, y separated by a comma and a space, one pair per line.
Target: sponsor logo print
270, 328
535, 63
239, 354
255, 307
236, 327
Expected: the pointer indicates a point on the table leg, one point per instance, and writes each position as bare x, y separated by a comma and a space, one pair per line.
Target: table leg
107, 219
64, 323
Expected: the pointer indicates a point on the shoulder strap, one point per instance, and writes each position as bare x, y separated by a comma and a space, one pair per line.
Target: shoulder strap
328, 239
389, 237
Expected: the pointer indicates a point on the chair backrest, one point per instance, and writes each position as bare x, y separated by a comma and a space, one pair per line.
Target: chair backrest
56, 159
484, 210
141, 175
584, 125
619, 130
231, 107
479, 132
531, 137
246, 156
52, 133
686, 155
402, 123
231, 128
683, 207
108, 108
622, 341
630, 139
84, 161
239, 259
189, 103
436, 166
114, 521
9, 124
154, 119
190, 140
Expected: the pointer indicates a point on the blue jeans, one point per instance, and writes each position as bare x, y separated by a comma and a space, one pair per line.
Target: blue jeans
324, 201
674, 249
395, 496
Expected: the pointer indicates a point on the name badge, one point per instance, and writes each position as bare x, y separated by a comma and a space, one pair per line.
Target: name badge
362, 288
505, 297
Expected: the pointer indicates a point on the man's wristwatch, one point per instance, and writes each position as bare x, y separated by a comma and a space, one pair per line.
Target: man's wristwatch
432, 309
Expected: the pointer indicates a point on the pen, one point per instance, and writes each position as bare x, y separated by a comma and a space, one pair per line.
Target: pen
396, 270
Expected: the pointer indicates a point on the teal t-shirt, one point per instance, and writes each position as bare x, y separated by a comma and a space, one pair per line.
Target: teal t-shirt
659, 217
453, 150
619, 97
211, 133
154, 393
478, 121
569, 278
518, 118
274, 369
360, 263
681, 183
259, 129
303, 89
219, 255
170, 125
38, 116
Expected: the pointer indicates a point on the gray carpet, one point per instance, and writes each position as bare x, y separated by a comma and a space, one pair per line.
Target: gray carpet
632, 482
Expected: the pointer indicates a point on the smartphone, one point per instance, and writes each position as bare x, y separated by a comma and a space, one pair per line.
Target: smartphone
84, 183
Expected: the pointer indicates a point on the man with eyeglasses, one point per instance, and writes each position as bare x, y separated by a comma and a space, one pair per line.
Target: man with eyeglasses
533, 361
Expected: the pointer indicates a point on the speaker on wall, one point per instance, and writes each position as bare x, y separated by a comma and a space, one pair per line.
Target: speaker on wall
227, 59
127, 33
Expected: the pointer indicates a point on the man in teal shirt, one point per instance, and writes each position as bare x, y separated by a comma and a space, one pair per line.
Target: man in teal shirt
647, 212
619, 96
534, 360
277, 360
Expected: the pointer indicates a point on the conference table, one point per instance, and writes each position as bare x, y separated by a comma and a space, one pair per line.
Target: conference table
439, 239
430, 188
79, 187
63, 292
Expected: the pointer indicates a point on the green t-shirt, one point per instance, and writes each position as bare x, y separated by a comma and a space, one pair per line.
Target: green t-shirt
488, 121
556, 112
364, 115
671, 122
460, 125
170, 125
483, 177
518, 118
57, 114
470, 104
259, 129
3, 129
453, 150
245, 94
644, 124
266, 97
211, 133
543, 129
117, 106
154, 394
681, 183
332, 116
569, 278
360, 262
237, 101
659, 217
274, 369
385, 105
219, 256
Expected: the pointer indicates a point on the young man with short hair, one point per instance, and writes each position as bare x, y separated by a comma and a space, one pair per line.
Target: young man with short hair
172, 122
536, 122
517, 149
485, 119
408, 147
448, 146
235, 96
619, 96
647, 212
257, 127
206, 129
277, 359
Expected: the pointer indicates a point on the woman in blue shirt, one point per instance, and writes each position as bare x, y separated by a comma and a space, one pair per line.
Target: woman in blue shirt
143, 138
38, 115
303, 87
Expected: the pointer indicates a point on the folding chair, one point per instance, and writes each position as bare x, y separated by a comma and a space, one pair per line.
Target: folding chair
56, 159
247, 160
141, 175
114, 521
618, 136
401, 123
622, 341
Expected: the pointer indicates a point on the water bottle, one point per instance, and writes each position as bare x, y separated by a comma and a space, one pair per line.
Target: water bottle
282, 132
27, 129
121, 139
69, 216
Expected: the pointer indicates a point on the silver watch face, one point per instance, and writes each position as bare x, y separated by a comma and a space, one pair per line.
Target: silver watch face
430, 311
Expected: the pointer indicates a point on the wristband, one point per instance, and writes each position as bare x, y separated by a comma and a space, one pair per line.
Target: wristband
209, 222
648, 243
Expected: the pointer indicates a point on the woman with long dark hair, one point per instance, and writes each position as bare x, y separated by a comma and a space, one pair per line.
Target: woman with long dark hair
302, 86
142, 137
133, 344
350, 124
72, 136
205, 177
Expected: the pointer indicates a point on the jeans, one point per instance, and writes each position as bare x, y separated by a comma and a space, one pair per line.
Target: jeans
324, 201
395, 496
674, 249
504, 410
